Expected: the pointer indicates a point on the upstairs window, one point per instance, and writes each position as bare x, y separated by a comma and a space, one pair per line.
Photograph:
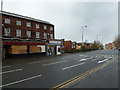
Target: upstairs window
51, 28
7, 31
18, 22
7, 21
37, 34
45, 35
28, 33
37, 26
45, 27
51, 36
28, 24
18, 33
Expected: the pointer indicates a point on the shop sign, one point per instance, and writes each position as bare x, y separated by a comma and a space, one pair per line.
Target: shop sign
55, 42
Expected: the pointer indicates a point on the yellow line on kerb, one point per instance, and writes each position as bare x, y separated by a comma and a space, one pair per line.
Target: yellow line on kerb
83, 75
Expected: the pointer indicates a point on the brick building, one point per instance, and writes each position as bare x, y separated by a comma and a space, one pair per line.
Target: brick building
109, 46
69, 45
22, 34
78, 45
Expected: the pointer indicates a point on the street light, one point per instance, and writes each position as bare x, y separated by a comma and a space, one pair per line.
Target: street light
1, 5
1, 30
97, 37
82, 33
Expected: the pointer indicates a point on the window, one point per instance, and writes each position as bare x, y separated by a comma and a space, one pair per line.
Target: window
28, 33
51, 28
37, 35
37, 26
7, 21
45, 27
73, 44
45, 35
51, 36
18, 33
7, 31
28, 24
18, 22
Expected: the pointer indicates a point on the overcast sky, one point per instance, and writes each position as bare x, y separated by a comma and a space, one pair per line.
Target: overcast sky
68, 17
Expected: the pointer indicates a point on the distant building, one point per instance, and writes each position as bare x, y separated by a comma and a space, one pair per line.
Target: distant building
69, 45
78, 45
109, 46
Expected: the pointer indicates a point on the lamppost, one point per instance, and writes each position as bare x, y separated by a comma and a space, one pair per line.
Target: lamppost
1, 5
1, 30
1, 46
82, 33
97, 37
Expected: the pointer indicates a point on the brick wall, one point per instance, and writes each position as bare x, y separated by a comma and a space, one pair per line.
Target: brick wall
23, 27
67, 45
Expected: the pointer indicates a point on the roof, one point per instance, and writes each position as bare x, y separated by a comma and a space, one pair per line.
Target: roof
68, 41
25, 17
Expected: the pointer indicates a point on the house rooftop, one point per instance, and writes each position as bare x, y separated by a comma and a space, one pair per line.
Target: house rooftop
25, 17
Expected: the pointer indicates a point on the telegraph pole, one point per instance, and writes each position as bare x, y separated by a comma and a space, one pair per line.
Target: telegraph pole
82, 34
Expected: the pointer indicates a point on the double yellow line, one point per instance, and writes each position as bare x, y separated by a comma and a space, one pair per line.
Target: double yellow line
79, 76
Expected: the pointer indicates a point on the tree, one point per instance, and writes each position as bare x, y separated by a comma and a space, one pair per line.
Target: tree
117, 41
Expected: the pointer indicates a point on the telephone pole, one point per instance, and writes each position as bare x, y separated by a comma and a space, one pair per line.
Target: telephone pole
82, 33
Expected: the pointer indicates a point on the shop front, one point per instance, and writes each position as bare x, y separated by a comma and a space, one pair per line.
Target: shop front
12, 48
54, 48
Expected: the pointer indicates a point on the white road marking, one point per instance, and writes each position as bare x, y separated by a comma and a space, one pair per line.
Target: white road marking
96, 56
53, 63
20, 81
34, 62
102, 61
86, 56
73, 66
5, 66
110, 57
82, 55
11, 71
83, 59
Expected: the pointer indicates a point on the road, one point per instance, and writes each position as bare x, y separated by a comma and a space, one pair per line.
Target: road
59, 71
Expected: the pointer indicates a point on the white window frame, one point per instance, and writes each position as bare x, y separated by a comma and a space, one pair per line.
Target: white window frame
7, 20
7, 31
73, 45
51, 28
37, 26
51, 36
37, 34
45, 27
28, 33
45, 35
18, 22
28, 24
18, 32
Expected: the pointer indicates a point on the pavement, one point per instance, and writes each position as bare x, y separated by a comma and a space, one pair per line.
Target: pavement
94, 69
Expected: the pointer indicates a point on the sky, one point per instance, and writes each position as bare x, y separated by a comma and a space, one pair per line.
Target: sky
68, 17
